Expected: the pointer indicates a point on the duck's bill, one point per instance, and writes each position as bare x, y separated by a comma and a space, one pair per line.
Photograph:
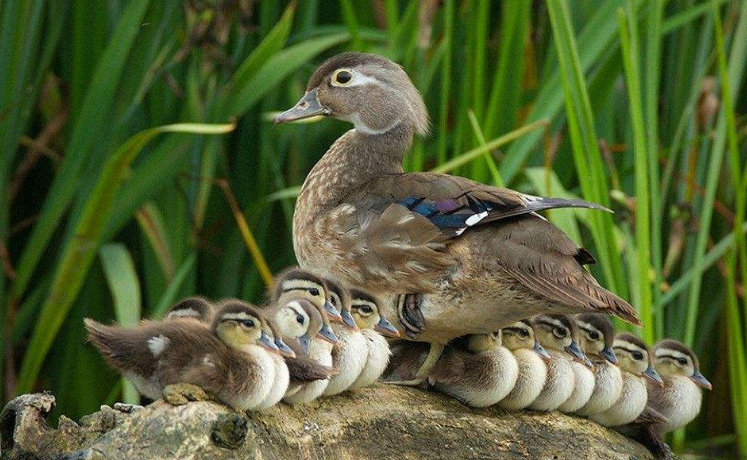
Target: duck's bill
332, 312
347, 320
284, 349
540, 350
266, 342
327, 335
386, 328
651, 374
309, 106
701, 381
608, 354
304, 341
578, 355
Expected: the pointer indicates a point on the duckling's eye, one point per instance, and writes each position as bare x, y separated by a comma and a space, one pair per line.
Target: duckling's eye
247, 323
637, 355
523, 333
343, 77
594, 335
299, 319
314, 292
681, 361
559, 332
366, 309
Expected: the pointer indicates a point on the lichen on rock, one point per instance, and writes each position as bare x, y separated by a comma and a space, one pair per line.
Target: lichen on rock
381, 422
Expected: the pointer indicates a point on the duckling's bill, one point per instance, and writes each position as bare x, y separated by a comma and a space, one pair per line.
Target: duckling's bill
386, 328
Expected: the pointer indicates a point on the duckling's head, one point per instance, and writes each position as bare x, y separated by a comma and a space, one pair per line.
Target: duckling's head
634, 356
478, 343
339, 297
318, 325
272, 330
198, 308
675, 358
239, 324
596, 335
292, 318
559, 332
295, 283
368, 90
366, 314
521, 335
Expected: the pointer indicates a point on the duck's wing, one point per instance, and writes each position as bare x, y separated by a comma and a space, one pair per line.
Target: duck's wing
127, 350
303, 369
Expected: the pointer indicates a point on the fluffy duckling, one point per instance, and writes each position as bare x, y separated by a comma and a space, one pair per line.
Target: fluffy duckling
583, 382
556, 333
294, 283
680, 396
636, 365
282, 373
316, 344
477, 370
373, 324
597, 337
230, 359
197, 307
531, 358
349, 356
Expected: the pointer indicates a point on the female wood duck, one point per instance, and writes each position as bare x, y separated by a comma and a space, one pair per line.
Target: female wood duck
373, 324
557, 334
680, 395
531, 358
350, 354
477, 370
597, 337
231, 359
447, 255
637, 366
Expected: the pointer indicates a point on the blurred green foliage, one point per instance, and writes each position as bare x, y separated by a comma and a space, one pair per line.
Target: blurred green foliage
639, 105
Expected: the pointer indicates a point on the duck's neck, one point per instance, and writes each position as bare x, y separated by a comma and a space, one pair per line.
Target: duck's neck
353, 160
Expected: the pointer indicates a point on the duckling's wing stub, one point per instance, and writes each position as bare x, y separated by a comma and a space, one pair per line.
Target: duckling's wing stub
303, 369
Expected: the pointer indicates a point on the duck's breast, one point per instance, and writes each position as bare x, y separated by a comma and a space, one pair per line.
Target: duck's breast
532, 374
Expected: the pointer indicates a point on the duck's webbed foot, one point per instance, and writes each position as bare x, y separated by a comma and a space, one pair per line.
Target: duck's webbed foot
181, 393
410, 315
421, 377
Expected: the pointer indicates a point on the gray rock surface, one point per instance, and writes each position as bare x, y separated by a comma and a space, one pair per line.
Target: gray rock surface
381, 422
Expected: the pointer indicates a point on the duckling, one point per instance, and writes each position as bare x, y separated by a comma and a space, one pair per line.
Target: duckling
282, 373
477, 370
583, 382
372, 323
349, 356
448, 256
230, 359
637, 366
680, 396
198, 308
317, 344
295, 283
557, 334
531, 358
597, 337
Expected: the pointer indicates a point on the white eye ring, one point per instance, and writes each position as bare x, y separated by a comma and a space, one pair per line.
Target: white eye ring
346, 75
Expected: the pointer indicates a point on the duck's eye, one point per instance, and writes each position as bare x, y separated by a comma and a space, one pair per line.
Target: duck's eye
523, 333
681, 361
594, 335
247, 323
343, 77
366, 309
299, 319
559, 332
637, 355
314, 292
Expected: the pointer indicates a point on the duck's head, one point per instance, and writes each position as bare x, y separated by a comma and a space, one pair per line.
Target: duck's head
295, 283
367, 315
318, 325
292, 318
478, 343
272, 330
521, 335
339, 297
596, 335
634, 356
239, 325
198, 308
675, 358
368, 90
559, 332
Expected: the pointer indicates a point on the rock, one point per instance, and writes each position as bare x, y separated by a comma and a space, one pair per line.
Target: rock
379, 422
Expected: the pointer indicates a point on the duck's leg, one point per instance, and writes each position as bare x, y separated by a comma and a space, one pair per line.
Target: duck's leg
434, 353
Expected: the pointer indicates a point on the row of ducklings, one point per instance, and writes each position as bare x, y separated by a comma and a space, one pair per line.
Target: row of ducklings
576, 365
312, 338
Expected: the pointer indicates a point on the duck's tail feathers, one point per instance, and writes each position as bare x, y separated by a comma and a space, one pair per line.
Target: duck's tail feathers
540, 203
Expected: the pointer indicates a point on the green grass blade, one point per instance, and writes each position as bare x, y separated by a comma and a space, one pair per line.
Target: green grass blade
171, 294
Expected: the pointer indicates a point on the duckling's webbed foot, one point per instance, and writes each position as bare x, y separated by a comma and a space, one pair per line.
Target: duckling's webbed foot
421, 377
183, 393
410, 315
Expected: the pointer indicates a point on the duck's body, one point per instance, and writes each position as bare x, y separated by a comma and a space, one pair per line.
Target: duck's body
321, 352
222, 361
532, 368
680, 396
377, 358
350, 354
558, 385
583, 387
477, 370
432, 246
597, 337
